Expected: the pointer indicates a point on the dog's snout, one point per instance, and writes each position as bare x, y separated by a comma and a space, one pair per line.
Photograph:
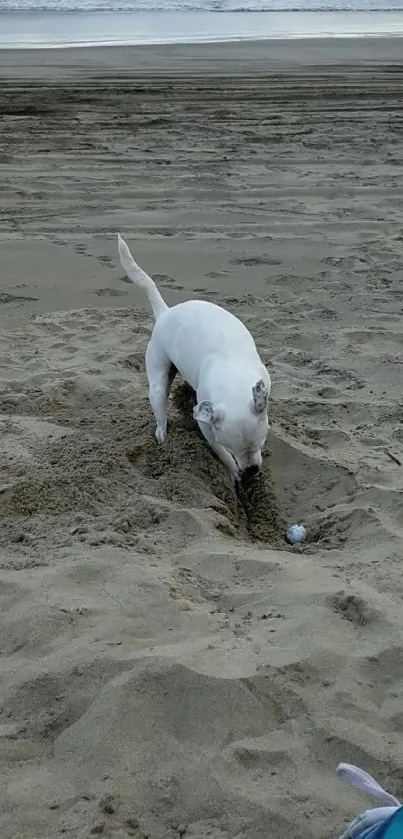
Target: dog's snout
251, 471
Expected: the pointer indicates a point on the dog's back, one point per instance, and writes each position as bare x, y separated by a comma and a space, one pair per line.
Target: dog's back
196, 334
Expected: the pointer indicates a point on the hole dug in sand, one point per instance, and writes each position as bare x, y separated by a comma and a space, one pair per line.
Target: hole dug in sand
287, 489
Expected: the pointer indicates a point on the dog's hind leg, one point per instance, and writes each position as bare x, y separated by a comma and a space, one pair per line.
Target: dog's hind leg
160, 374
225, 457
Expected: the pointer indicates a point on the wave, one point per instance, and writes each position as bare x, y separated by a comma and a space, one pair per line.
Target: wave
199, 6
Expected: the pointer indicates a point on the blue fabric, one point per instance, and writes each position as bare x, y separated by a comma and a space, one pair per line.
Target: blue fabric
395, 828
391, 828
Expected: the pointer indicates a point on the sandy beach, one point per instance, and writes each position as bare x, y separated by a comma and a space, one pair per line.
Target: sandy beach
169, 666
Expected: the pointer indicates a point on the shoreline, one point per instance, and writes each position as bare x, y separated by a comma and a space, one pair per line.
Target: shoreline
246, 58
211, 41
66, 30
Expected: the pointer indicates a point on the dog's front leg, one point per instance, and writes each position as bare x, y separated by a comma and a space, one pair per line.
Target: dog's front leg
225, 457
158, 399
159, 374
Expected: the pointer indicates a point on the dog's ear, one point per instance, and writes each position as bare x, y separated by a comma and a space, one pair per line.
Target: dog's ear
205, 412
260, 397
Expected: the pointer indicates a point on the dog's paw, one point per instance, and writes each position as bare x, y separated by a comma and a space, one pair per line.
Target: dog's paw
160, 434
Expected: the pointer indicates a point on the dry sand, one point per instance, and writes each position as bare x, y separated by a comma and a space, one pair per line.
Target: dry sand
168, 666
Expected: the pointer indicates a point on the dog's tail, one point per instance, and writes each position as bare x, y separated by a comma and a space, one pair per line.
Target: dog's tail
140, 278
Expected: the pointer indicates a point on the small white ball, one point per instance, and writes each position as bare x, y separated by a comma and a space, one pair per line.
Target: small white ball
295, 533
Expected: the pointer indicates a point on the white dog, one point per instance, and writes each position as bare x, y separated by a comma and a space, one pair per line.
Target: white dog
217, 356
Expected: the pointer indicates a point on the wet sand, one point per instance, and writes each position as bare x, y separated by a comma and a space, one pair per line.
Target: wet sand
169, 666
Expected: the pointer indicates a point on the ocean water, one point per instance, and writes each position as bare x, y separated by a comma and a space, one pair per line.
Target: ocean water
66, 23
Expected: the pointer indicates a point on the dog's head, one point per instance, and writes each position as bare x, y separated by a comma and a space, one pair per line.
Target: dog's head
243, 433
